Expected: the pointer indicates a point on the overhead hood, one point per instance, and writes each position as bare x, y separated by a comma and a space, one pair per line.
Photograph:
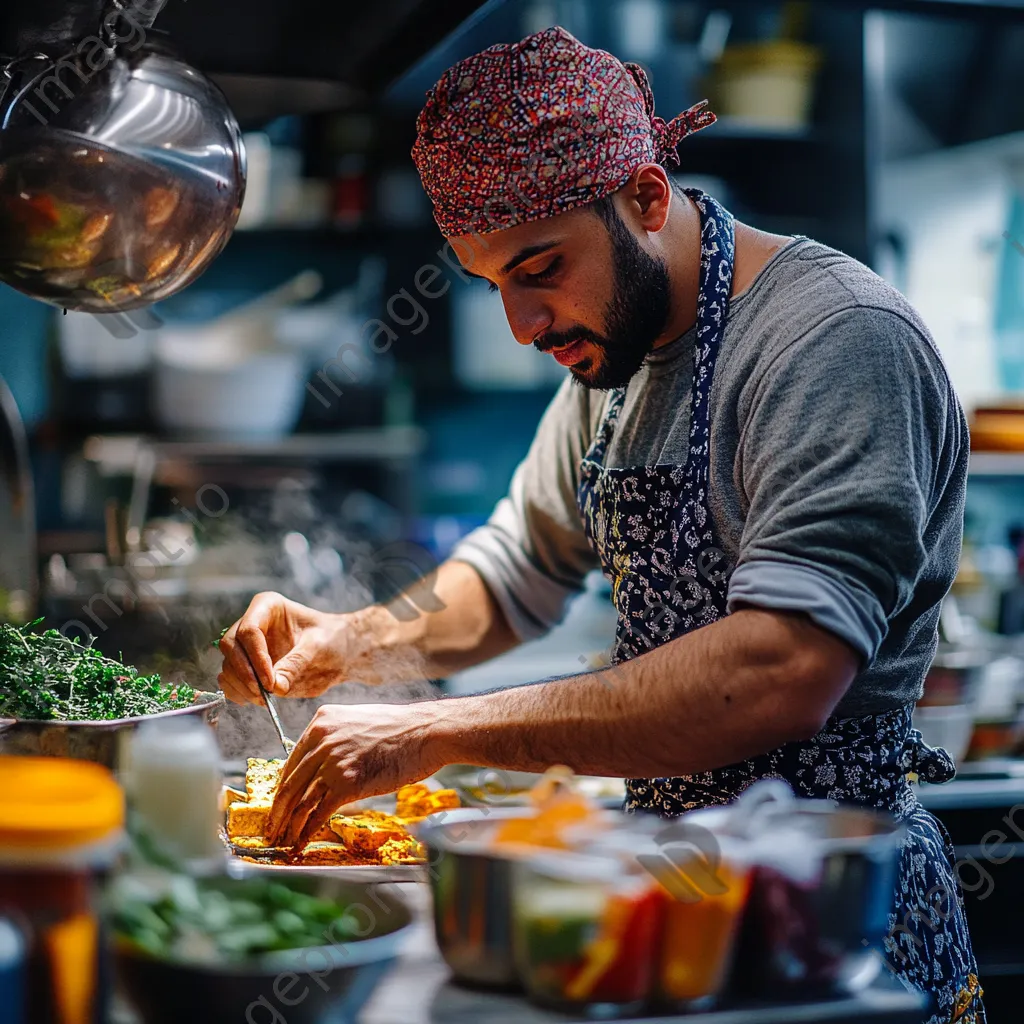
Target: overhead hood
270, 56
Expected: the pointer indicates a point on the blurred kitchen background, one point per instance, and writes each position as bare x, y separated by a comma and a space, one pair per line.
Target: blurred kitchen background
331, 406
186, 457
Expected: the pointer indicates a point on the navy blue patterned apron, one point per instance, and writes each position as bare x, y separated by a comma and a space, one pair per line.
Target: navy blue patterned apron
653, 530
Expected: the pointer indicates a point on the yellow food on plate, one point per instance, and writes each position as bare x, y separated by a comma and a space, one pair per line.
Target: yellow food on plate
558, 809
402, 851
367, 832
247, 819
366, 837
323, 853
262, 777
418, 801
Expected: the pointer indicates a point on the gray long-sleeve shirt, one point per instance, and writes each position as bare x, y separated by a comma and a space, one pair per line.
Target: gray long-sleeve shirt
838, 467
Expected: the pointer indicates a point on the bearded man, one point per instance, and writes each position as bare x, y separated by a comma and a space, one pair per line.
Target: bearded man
757, 443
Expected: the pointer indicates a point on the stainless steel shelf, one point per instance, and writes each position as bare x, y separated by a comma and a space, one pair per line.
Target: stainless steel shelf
119, 454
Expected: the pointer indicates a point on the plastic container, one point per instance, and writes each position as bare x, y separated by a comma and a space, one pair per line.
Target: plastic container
61, 823
820, 893
767, 85
586, 933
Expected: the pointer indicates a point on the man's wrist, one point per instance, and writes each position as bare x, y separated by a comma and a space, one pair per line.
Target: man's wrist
450, 728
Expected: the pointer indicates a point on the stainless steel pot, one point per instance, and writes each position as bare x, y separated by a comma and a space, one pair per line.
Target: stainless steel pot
472, 887
122, 173
102, 742
822, 932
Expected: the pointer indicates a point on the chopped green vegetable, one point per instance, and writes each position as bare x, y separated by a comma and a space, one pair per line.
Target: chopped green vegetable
45, 676
235, 919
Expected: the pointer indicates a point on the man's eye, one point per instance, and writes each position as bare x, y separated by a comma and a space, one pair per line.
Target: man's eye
547, 273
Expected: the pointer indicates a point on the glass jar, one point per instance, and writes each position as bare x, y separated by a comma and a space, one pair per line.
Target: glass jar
172, 779
61, 822
586, 932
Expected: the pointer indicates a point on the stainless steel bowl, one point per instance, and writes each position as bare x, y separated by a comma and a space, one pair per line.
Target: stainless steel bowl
118, 189
472, 886
102, 742
337, 980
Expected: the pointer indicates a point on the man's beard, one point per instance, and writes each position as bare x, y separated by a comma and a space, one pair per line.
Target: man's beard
634, 319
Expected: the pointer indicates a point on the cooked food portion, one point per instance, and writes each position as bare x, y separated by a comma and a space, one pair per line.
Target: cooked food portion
247, 819
367, 837
262, 777
367, 832
45, 676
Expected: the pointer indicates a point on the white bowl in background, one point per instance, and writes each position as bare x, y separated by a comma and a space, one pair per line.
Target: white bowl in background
949, 727
259, 396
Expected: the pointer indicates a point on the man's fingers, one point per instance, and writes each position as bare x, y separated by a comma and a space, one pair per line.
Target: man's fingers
236, 693
302, 767
236, 669
253, 641
288, 672
319, 817
297, 823
247, 640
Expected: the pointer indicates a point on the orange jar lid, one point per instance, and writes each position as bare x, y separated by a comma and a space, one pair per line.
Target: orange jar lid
53, 803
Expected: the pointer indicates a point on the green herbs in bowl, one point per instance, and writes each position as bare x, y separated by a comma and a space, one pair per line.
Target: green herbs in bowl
47, 677
229, 920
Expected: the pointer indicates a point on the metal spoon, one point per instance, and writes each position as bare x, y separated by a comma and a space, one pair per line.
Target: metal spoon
269, 701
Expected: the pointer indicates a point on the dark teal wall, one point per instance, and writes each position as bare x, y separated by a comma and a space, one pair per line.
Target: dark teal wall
25, 326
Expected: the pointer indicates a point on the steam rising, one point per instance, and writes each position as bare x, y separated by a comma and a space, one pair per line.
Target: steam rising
322, 568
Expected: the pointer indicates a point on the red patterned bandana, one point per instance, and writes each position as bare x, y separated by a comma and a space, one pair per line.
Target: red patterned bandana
531, 129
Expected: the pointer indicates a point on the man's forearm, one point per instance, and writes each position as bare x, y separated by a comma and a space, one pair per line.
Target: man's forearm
465, 627
737, 688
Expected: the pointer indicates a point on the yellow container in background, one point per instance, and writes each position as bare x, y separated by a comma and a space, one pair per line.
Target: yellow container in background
766, 85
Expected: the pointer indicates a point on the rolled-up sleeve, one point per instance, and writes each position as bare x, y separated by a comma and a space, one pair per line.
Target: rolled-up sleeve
837, 463
532, 553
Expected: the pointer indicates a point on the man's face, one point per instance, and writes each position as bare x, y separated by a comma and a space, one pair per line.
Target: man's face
580, 288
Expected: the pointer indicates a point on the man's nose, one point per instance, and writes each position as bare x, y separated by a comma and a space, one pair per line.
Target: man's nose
527, 318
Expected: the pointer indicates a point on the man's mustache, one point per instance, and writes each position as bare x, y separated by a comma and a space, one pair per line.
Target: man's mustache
559, 339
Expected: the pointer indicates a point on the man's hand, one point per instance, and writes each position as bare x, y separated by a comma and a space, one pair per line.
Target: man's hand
348, 752
298, 652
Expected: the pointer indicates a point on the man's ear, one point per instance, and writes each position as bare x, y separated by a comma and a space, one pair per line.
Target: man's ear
649, 193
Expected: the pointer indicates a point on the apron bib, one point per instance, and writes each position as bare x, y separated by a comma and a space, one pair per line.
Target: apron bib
653, 531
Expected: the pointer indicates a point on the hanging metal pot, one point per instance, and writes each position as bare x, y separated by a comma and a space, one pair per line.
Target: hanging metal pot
122, 169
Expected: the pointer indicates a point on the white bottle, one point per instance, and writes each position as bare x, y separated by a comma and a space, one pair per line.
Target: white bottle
173, 782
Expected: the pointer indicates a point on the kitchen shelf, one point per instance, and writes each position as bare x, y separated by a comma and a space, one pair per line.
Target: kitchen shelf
120, 454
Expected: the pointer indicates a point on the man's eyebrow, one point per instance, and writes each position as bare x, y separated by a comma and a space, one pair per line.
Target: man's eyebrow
524, 254
520, 257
